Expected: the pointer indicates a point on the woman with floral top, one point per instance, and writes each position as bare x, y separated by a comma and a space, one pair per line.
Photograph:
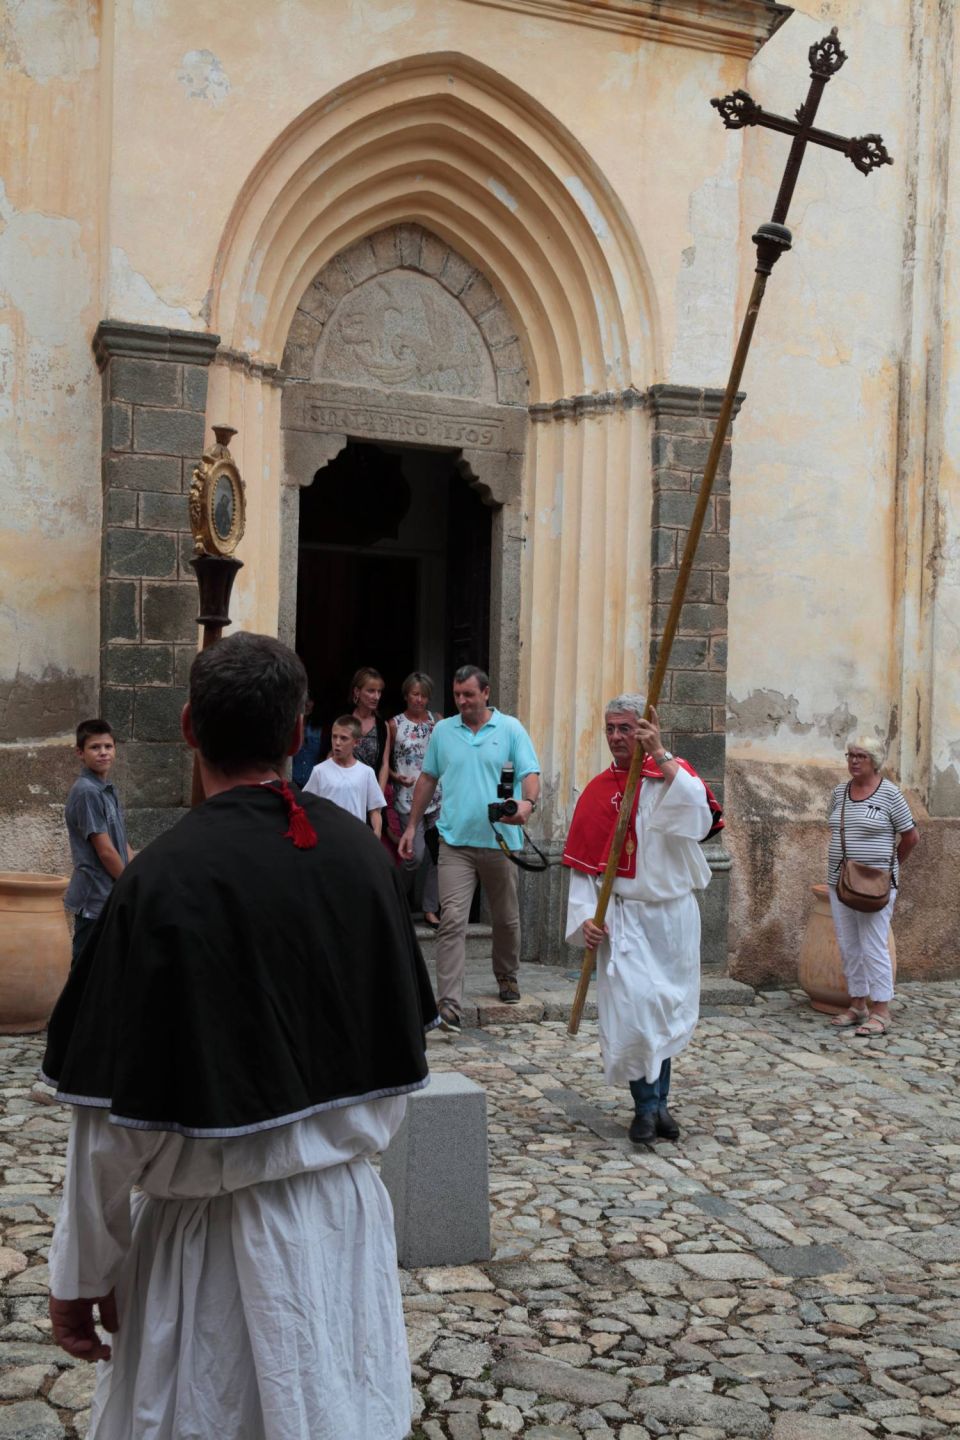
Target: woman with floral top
409, 734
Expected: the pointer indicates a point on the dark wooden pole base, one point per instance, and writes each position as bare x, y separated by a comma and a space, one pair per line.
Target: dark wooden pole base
215, 576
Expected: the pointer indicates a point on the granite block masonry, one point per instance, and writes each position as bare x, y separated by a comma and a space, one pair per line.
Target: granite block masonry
436, 1172
692, 706
154, 403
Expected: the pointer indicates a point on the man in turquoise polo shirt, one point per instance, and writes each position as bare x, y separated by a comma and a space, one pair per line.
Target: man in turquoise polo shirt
467, 752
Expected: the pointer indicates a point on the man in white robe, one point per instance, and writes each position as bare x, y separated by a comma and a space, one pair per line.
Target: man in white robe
238, 1039
648, 951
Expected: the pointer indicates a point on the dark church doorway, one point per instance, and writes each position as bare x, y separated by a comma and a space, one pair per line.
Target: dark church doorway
394, 572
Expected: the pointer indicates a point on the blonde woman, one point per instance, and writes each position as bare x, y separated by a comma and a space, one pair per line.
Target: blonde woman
373, 747
878, 829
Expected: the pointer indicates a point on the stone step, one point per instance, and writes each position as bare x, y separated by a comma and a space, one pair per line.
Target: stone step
479, 942
547, 993
716, 991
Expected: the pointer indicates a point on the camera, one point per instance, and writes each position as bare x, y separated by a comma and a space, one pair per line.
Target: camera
504, 805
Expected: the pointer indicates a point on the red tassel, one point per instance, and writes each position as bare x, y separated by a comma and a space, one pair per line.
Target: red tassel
301, 832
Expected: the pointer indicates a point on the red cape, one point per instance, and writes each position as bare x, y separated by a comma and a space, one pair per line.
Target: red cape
595, 819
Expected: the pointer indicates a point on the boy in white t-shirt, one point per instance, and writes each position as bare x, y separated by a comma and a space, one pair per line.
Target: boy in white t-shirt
345, 780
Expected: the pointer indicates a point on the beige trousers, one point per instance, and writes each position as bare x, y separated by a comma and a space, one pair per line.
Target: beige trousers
460, 867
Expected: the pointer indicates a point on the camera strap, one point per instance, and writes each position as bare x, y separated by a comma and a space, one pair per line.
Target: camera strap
542, 863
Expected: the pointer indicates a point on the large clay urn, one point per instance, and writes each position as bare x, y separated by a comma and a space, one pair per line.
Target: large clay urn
34, 949
820, 969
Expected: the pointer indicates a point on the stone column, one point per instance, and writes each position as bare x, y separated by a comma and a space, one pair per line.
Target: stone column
154, 404
692, 705
584, 547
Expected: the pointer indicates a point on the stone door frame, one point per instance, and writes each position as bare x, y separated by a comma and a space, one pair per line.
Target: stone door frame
487, 444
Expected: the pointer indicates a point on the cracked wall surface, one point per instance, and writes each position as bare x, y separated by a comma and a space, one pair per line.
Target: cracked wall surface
49, 427
845, 586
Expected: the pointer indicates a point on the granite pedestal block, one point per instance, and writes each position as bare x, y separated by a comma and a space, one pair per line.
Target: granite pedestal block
436, 1172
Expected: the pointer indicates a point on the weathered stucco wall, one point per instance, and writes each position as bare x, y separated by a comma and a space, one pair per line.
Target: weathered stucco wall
215, 83
844, 598
195, 165
50, 166
49, 495
778, 841
844, 602
813, 614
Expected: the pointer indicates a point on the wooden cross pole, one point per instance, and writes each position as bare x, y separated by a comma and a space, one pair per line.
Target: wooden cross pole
772, 240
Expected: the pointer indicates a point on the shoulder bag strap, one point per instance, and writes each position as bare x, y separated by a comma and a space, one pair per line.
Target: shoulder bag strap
893, 853
843, 838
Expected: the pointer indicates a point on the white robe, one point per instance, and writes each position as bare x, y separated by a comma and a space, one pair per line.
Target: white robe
648, 972
256, 1279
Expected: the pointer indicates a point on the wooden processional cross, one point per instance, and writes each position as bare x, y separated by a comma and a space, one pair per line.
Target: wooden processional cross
772, 240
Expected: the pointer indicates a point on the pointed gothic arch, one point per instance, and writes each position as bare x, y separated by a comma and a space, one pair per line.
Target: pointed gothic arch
445, 142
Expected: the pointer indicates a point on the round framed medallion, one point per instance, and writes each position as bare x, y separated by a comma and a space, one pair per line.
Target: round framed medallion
217, 502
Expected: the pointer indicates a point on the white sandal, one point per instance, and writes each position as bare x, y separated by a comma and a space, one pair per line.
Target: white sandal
843, 1021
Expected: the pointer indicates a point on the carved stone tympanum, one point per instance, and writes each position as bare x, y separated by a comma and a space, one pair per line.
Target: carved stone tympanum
401, 311
403, 331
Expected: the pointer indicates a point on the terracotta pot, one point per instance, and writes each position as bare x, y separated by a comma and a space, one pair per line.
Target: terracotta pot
820, 969
34, 949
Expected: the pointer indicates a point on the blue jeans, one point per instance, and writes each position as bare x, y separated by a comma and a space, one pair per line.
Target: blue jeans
649, 1095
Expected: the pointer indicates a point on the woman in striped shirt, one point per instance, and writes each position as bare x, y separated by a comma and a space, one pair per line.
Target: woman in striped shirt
879, 830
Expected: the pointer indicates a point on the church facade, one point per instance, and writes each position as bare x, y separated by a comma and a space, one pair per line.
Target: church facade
466, 277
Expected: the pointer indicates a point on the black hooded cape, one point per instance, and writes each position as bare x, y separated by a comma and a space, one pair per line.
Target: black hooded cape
234, 983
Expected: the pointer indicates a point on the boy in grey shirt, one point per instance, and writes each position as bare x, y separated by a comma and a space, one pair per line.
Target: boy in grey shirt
98, 836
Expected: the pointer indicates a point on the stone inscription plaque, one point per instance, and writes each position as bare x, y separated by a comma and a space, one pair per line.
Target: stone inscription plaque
404, 331
418, 427
440, 422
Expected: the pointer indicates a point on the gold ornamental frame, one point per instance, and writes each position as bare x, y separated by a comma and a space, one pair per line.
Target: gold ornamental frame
217, 499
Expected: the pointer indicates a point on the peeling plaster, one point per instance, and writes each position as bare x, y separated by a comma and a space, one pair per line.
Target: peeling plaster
47, 382
945, 792
50, 39
588, 205
838, 725
551, 516
503, 195
133, 297
35, 706
149, 12
893, 728
374, 20
203, 77
708, 276
41, 263
8, 370
762, 712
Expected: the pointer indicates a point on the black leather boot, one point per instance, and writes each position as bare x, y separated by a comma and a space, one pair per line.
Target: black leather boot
667, 1127
643, 1128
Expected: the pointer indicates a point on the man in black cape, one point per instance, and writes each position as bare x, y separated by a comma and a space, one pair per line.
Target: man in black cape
237, 1038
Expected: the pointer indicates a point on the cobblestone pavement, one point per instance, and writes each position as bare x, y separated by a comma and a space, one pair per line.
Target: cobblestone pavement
790, 1269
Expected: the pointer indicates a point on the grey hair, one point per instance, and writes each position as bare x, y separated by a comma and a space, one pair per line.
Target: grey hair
629, 704
871, 746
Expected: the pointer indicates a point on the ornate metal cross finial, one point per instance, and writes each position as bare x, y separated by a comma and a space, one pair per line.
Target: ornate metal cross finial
867, 152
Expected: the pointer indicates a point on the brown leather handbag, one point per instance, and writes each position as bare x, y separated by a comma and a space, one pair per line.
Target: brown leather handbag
862, 887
